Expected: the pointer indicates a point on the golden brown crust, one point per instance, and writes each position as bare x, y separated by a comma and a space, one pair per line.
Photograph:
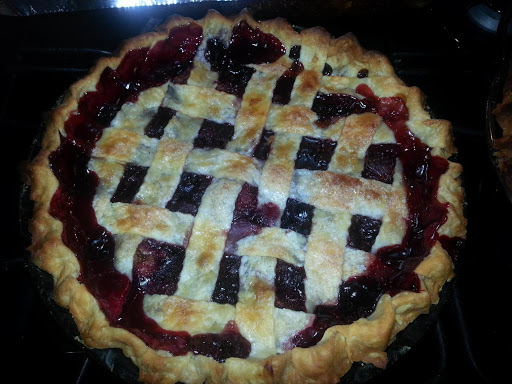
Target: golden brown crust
364, 340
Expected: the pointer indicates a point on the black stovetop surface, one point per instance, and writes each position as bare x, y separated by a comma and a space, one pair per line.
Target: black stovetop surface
435, 47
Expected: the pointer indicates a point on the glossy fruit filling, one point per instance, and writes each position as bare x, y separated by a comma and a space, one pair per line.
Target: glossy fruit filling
228, 280
333, 106
362, 232
247, 46
289, 284
156, 126
298, 216
132, 179
284, 85
157, 265
262, 149
214, 135
379, 162
249, 217
314, 153
189, 193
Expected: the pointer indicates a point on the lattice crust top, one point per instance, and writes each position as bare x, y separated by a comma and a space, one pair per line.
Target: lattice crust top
262, 194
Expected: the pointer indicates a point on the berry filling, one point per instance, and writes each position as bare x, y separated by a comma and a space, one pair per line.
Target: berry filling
189, 193
392, 271
284, 85
214, 135
295, 52
247, 46
289, 285
298, 216
333, 106
251, 46
362, 232
228, 343
129, 185
362, 73
120, 299
248, 217
314, 153
327, 71
157, 266
379, 162
228, 280
262, 149
156, 126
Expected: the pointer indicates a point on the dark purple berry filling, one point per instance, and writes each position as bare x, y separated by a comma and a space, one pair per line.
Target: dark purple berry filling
131, 180
233, 77
332, 106
102, 105
247, 46
392, 271
220, 346
214, 135
228, 280
262, 149
69, 165
315, 153
189, 193
363, 73
248, 217
362, 232
155, 127
298, 216
284, 85
251, 46
228, 343
119, 299
358, 298
327, 71
289, 285
380, 161
157, 267
93, 244
295, 52
246, 208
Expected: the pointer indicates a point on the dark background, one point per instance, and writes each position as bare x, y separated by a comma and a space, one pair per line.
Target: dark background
435, 46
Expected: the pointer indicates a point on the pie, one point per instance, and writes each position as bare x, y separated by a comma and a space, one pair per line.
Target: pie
228, 200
